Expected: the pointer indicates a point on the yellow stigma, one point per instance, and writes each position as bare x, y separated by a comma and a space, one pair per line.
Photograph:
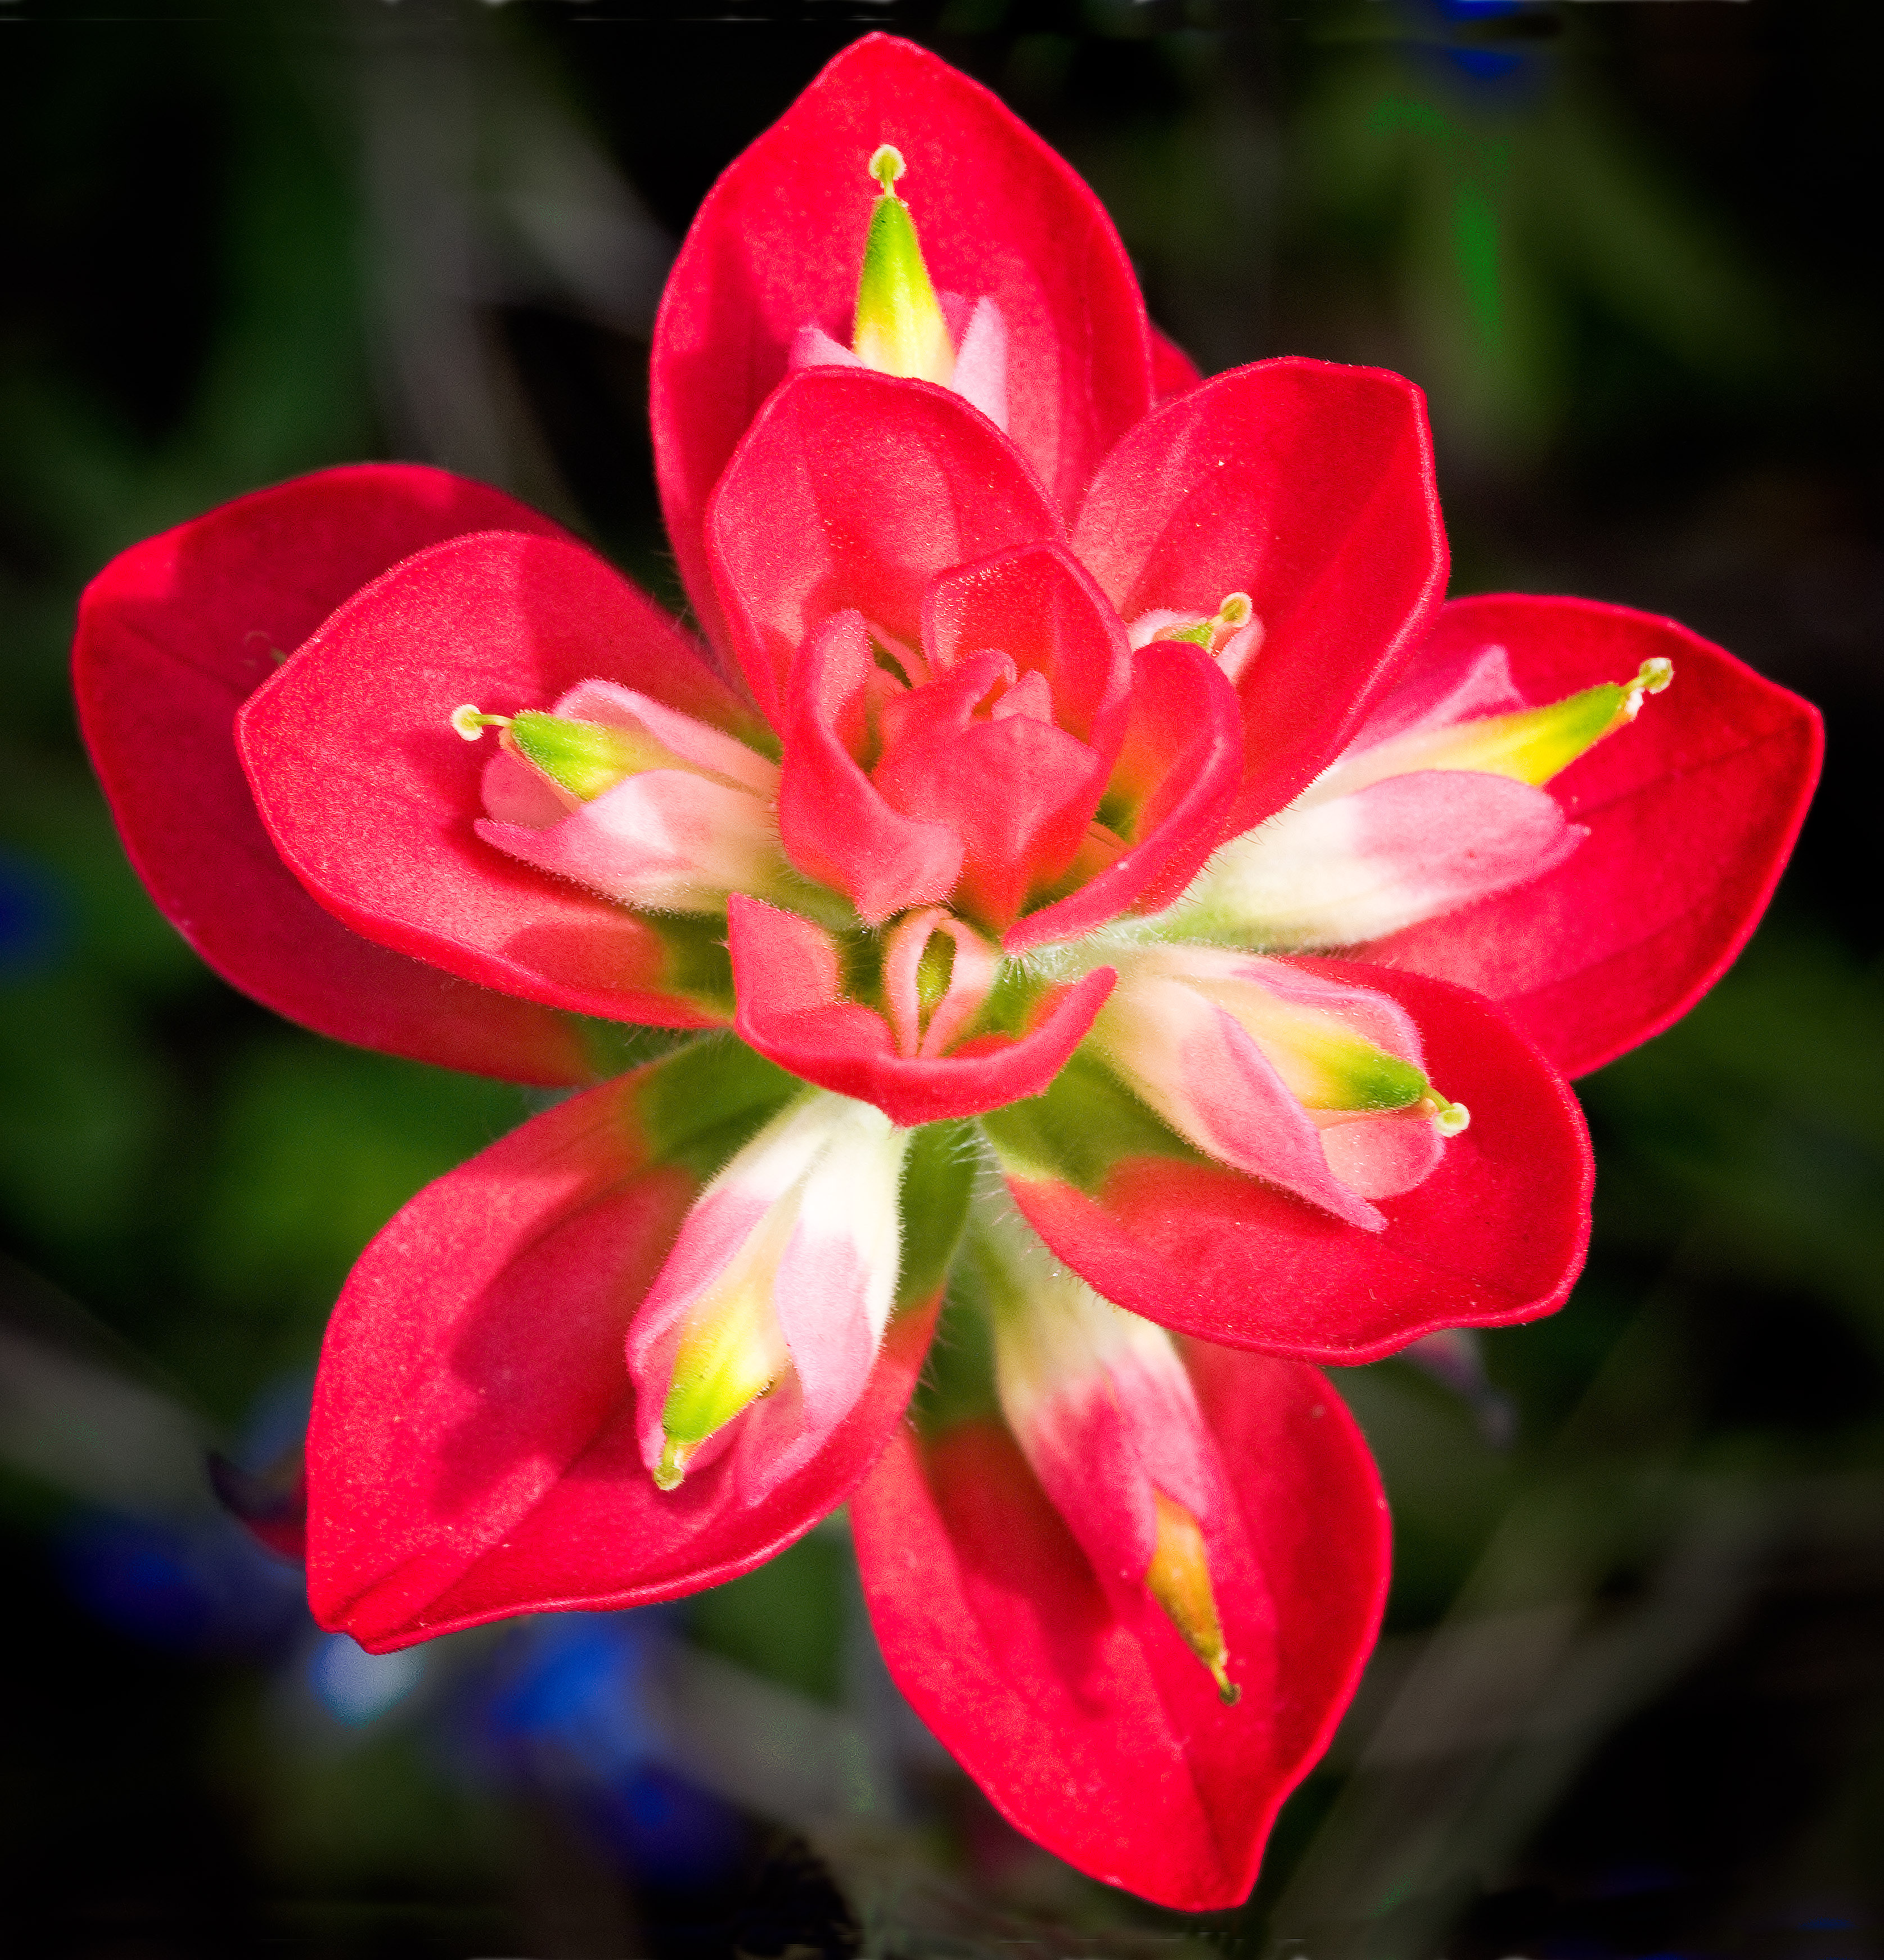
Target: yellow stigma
1450, 1119
672, 1469
1179, 1579
898, 328
467, 722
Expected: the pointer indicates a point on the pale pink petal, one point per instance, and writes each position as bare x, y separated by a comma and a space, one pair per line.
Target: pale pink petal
720, 1223
513, 792
1098, 1401
665, 840
981, 363
1476, 684
1195, 1064
1375, 1016
813, 347
1084, 1451
823, 1311
1344, 872
1382, 1156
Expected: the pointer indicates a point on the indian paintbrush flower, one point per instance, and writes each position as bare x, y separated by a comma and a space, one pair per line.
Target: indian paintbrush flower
1089, 868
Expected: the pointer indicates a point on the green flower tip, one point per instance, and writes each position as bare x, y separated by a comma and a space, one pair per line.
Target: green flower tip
898, 328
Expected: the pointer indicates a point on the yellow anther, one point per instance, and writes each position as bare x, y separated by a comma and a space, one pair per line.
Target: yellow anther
1235, 612
886, 164
1179, 1579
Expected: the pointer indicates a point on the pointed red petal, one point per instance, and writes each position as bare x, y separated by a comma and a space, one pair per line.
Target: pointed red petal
372, 797
1310, 487
174, 635
778, 245
833, 820
1496, 1235
853, 489
473, 1453
1078, 1708
1691, 811
791, 1008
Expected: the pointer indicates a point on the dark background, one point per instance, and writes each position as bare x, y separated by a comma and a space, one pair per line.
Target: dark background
1631, 1699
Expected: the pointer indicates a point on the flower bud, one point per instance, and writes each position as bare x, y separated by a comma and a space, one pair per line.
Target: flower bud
1106, 1417
783, 1277
636, 800
1310, 1083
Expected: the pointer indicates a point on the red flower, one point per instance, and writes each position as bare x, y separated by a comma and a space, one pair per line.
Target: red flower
1071, 735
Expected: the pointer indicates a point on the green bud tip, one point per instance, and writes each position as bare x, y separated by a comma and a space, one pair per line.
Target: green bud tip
1654, 675
468, 723
887, 165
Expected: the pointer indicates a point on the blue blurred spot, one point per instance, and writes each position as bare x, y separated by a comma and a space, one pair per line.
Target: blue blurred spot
1485, 64
666, 1831
195, 1586
33, 917
576, 1680
356, 1687
568, 1713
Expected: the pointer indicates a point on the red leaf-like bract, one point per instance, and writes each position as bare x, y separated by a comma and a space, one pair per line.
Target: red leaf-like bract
371, 796
1495, 1235
1691, 809
1078, 1708
1310, 487
174, 635
853, 490
779, 243
473, 1453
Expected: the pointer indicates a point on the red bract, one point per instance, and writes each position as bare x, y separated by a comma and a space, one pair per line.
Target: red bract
1084, 829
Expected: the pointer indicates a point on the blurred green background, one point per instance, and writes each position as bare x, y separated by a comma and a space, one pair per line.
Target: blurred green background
1631, 1698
